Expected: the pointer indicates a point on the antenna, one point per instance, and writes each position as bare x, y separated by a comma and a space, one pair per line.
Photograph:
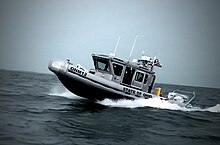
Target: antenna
133, 47
116, 46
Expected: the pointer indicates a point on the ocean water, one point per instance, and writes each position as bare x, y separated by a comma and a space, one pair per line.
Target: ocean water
36, 109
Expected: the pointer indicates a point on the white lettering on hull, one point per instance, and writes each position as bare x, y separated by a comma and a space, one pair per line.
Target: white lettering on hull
137, 93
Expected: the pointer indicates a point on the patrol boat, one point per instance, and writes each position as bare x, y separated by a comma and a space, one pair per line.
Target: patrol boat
114, 78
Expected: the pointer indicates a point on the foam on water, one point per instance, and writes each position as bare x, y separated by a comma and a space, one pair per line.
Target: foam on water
59, 90
155, 103
215, 108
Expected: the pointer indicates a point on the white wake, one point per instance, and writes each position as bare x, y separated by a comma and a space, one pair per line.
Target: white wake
155, 103
215, 108
59, 90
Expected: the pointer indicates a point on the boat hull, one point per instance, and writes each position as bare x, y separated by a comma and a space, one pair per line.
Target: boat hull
88, 89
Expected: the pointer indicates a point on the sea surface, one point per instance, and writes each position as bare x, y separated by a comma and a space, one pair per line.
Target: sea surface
36, 109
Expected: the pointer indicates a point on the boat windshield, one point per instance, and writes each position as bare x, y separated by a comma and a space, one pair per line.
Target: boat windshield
117, 69
101, 64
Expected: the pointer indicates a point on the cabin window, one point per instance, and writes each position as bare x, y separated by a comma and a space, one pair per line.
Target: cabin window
128, 75
146, 78
117, 69
101, 64
139, 77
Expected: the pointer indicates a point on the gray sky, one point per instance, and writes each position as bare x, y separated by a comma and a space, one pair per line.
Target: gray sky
185, 35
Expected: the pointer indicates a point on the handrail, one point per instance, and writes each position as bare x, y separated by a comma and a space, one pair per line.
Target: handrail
194, 95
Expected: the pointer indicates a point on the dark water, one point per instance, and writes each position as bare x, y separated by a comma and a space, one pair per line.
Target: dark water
34, 109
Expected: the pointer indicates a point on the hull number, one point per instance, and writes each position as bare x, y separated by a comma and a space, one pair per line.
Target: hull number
77, 71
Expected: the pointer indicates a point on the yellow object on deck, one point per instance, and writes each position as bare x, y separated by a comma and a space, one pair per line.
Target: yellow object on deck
157, 91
